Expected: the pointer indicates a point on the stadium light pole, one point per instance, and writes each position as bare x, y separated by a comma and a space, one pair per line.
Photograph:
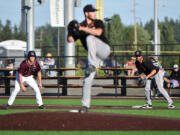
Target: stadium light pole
157, 47
27, 23
26, 10
30, 3
156, 30
69, 48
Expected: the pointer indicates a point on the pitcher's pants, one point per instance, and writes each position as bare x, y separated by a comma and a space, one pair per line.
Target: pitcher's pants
97, 51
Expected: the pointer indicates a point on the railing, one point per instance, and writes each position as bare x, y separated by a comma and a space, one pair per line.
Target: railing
62, 81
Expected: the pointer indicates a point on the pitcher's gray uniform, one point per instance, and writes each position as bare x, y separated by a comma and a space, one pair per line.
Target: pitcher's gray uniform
145, 65
94, 41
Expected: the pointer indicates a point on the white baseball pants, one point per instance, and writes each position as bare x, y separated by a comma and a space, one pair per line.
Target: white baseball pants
158, 80
97, 52
32, 83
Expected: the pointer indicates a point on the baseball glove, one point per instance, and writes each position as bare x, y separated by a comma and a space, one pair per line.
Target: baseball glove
73, 28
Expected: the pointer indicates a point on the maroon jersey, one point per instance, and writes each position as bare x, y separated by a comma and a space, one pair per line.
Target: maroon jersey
27, 70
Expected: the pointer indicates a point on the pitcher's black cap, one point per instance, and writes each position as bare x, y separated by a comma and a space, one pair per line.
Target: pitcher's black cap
89, 8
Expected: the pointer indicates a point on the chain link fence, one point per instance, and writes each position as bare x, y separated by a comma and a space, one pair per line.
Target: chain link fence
168, 56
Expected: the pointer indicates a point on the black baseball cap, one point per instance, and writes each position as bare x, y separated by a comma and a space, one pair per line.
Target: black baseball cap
138, 53
89, 8
31, 54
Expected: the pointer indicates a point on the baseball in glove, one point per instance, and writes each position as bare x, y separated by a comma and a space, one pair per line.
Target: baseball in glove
73, 29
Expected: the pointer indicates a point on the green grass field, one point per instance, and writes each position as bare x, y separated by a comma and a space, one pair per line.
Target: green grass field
101, 102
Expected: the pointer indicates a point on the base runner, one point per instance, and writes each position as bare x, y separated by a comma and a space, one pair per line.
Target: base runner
28, 68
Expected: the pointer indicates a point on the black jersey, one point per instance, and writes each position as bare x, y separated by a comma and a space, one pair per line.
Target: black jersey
175, 75
95, 24
146, 66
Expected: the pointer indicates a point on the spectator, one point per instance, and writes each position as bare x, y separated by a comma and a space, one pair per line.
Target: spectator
112, 63
10, 66
1, 73
174, 78
49, 63
131, 64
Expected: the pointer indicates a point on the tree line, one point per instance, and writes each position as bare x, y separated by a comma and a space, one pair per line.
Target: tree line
119, 35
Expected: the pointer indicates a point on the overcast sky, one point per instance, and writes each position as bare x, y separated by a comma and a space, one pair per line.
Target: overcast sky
11, 10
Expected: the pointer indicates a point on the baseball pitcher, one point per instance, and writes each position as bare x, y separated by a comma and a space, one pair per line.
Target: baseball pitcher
91, 34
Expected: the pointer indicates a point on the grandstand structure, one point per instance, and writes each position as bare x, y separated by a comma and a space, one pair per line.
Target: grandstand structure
14, 49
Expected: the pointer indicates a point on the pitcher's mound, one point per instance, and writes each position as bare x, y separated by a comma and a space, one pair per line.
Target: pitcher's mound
86, 121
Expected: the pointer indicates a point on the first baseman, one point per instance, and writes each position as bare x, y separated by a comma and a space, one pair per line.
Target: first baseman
94, 41
145, 65
28, 68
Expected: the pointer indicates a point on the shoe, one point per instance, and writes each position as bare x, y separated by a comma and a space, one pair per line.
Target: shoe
41, 107
7, 107
83, 109
148, 106
156, 95
171, 106
90, 69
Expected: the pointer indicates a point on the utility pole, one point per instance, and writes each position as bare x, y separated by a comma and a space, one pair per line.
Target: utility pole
135, 29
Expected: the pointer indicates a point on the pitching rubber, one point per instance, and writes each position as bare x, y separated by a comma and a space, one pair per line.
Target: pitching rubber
74, 111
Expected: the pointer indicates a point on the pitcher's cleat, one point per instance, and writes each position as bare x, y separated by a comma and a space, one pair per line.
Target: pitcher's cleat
7, 107
83, 109
42, 107
148, 106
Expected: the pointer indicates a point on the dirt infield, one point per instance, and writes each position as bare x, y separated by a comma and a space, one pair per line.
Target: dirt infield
86, 121
79, 97
3, 107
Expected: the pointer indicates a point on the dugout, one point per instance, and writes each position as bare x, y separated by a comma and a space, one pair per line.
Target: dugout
14, 50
